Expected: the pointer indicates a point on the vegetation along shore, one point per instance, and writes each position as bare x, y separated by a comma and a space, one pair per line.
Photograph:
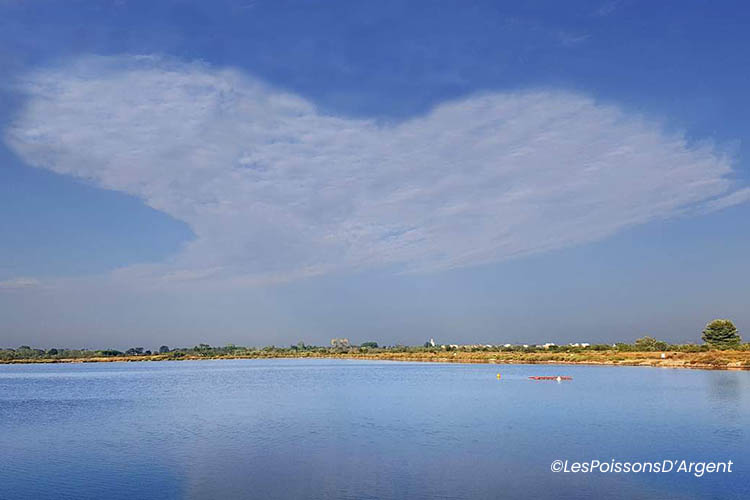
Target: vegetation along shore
721, 349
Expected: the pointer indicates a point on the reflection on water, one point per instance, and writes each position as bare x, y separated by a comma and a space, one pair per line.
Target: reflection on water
725, 387
348, 429
725, 393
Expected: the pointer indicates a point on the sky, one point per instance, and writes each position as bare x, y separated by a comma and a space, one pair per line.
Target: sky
268, 172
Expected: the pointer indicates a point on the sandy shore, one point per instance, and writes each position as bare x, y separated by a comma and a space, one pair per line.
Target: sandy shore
713, 360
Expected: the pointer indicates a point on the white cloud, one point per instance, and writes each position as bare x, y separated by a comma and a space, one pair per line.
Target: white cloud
608, 8
735, 198
573, 39
19, 283
273, 188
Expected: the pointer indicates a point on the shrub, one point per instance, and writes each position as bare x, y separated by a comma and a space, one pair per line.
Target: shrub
650, 344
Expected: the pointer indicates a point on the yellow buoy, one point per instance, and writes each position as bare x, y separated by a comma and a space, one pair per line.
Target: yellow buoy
498, 376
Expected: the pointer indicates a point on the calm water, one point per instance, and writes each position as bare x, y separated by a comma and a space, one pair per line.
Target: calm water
370, 430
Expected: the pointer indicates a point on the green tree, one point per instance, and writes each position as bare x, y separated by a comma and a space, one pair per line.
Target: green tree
650, 344
163, 349
374, 345
721, 333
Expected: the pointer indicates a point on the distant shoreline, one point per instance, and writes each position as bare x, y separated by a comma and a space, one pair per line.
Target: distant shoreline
709, 360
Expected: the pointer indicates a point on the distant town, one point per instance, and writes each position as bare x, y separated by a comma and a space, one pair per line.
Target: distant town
342, 343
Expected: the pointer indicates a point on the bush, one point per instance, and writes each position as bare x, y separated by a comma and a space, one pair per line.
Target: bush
110, 352
650, 344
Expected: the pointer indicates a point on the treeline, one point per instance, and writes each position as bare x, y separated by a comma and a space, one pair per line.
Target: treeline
718, 334
645, 344
164, 352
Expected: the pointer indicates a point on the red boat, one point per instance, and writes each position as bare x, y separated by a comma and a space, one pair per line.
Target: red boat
559, 377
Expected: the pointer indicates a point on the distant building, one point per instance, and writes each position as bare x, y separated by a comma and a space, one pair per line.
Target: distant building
340, 342
432, 342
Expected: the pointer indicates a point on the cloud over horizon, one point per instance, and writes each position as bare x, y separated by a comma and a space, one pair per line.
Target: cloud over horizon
275, 189
19, 283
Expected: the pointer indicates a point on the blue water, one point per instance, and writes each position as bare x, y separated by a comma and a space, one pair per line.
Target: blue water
363, 430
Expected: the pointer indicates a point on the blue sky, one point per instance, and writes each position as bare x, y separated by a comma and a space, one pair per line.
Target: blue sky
267, 172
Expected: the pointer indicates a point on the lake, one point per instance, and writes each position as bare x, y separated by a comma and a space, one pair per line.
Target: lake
293, 428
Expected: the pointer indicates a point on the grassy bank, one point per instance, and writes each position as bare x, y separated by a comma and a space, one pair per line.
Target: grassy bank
715, 359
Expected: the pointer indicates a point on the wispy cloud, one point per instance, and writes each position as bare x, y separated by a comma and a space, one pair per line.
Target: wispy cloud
19, 283
608, 8
273, 188
573, 39
730, 200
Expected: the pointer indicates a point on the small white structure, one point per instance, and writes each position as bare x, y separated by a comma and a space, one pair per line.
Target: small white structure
432, 342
